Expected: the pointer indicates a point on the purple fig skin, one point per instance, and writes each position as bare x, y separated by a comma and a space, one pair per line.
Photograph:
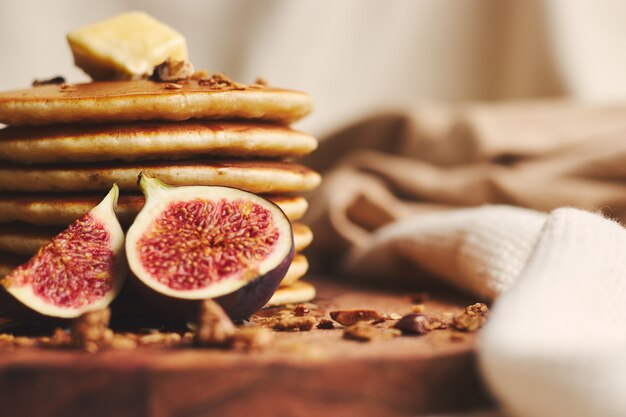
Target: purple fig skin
239, 305
244, 302
10, 307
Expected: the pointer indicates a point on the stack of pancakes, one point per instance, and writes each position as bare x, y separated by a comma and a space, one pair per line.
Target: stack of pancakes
65, 146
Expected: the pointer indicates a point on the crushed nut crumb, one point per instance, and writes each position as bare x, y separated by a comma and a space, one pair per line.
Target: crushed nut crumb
220, 81
286, 323
391, 333
214, 326
325, 324
23, 341
478, 309
173, 86
301, 310
252, 338
171, 70
159, 338
435, 323
124, 342
364, 332
60, 337
361, 332
473, 318
90, 331
350, 317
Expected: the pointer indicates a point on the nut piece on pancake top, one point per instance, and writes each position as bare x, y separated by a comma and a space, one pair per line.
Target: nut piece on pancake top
125, 47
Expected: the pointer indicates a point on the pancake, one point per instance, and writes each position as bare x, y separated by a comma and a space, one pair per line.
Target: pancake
298, 268
254, 176
299, 292
9, 261
151, 141
63, 209
302, 236
293, 206
125, 101
26, 239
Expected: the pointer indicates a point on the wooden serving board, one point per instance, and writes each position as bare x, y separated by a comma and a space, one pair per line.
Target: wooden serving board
316, 373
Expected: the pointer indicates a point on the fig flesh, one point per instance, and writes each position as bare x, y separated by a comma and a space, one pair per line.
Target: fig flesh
79, 270
209, 242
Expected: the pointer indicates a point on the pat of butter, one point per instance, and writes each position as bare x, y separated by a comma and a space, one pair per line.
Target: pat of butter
127, 46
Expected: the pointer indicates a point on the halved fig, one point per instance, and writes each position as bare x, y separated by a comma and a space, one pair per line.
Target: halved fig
79, 270
209, 242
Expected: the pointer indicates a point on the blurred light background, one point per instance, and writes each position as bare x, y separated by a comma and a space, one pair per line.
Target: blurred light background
356, 56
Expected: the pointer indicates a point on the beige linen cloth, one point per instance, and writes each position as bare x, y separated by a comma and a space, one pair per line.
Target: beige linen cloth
471, 195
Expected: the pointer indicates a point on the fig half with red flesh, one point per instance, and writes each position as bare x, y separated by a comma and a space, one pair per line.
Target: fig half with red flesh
79, 270
210, 242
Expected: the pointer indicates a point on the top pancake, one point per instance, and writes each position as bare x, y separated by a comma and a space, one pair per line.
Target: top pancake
125, 101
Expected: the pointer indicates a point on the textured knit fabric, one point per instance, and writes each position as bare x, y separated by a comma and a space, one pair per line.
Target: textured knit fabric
481, 250
555, 343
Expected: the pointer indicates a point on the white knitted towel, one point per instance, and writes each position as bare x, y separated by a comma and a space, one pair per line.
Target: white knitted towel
555, 343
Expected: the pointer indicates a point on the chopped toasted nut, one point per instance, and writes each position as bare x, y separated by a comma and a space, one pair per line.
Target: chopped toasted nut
413, 324
220, 81
171, 70
285, 323
325, 324
123, 342
91, 330
173, 86
214, 326
252, 338
350, 317
159, 338
23, 341
436, 324
301, 310
393, 316
60, 338
54, 80
361, 332
391, 333
478, 309
467, 323
472, 319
